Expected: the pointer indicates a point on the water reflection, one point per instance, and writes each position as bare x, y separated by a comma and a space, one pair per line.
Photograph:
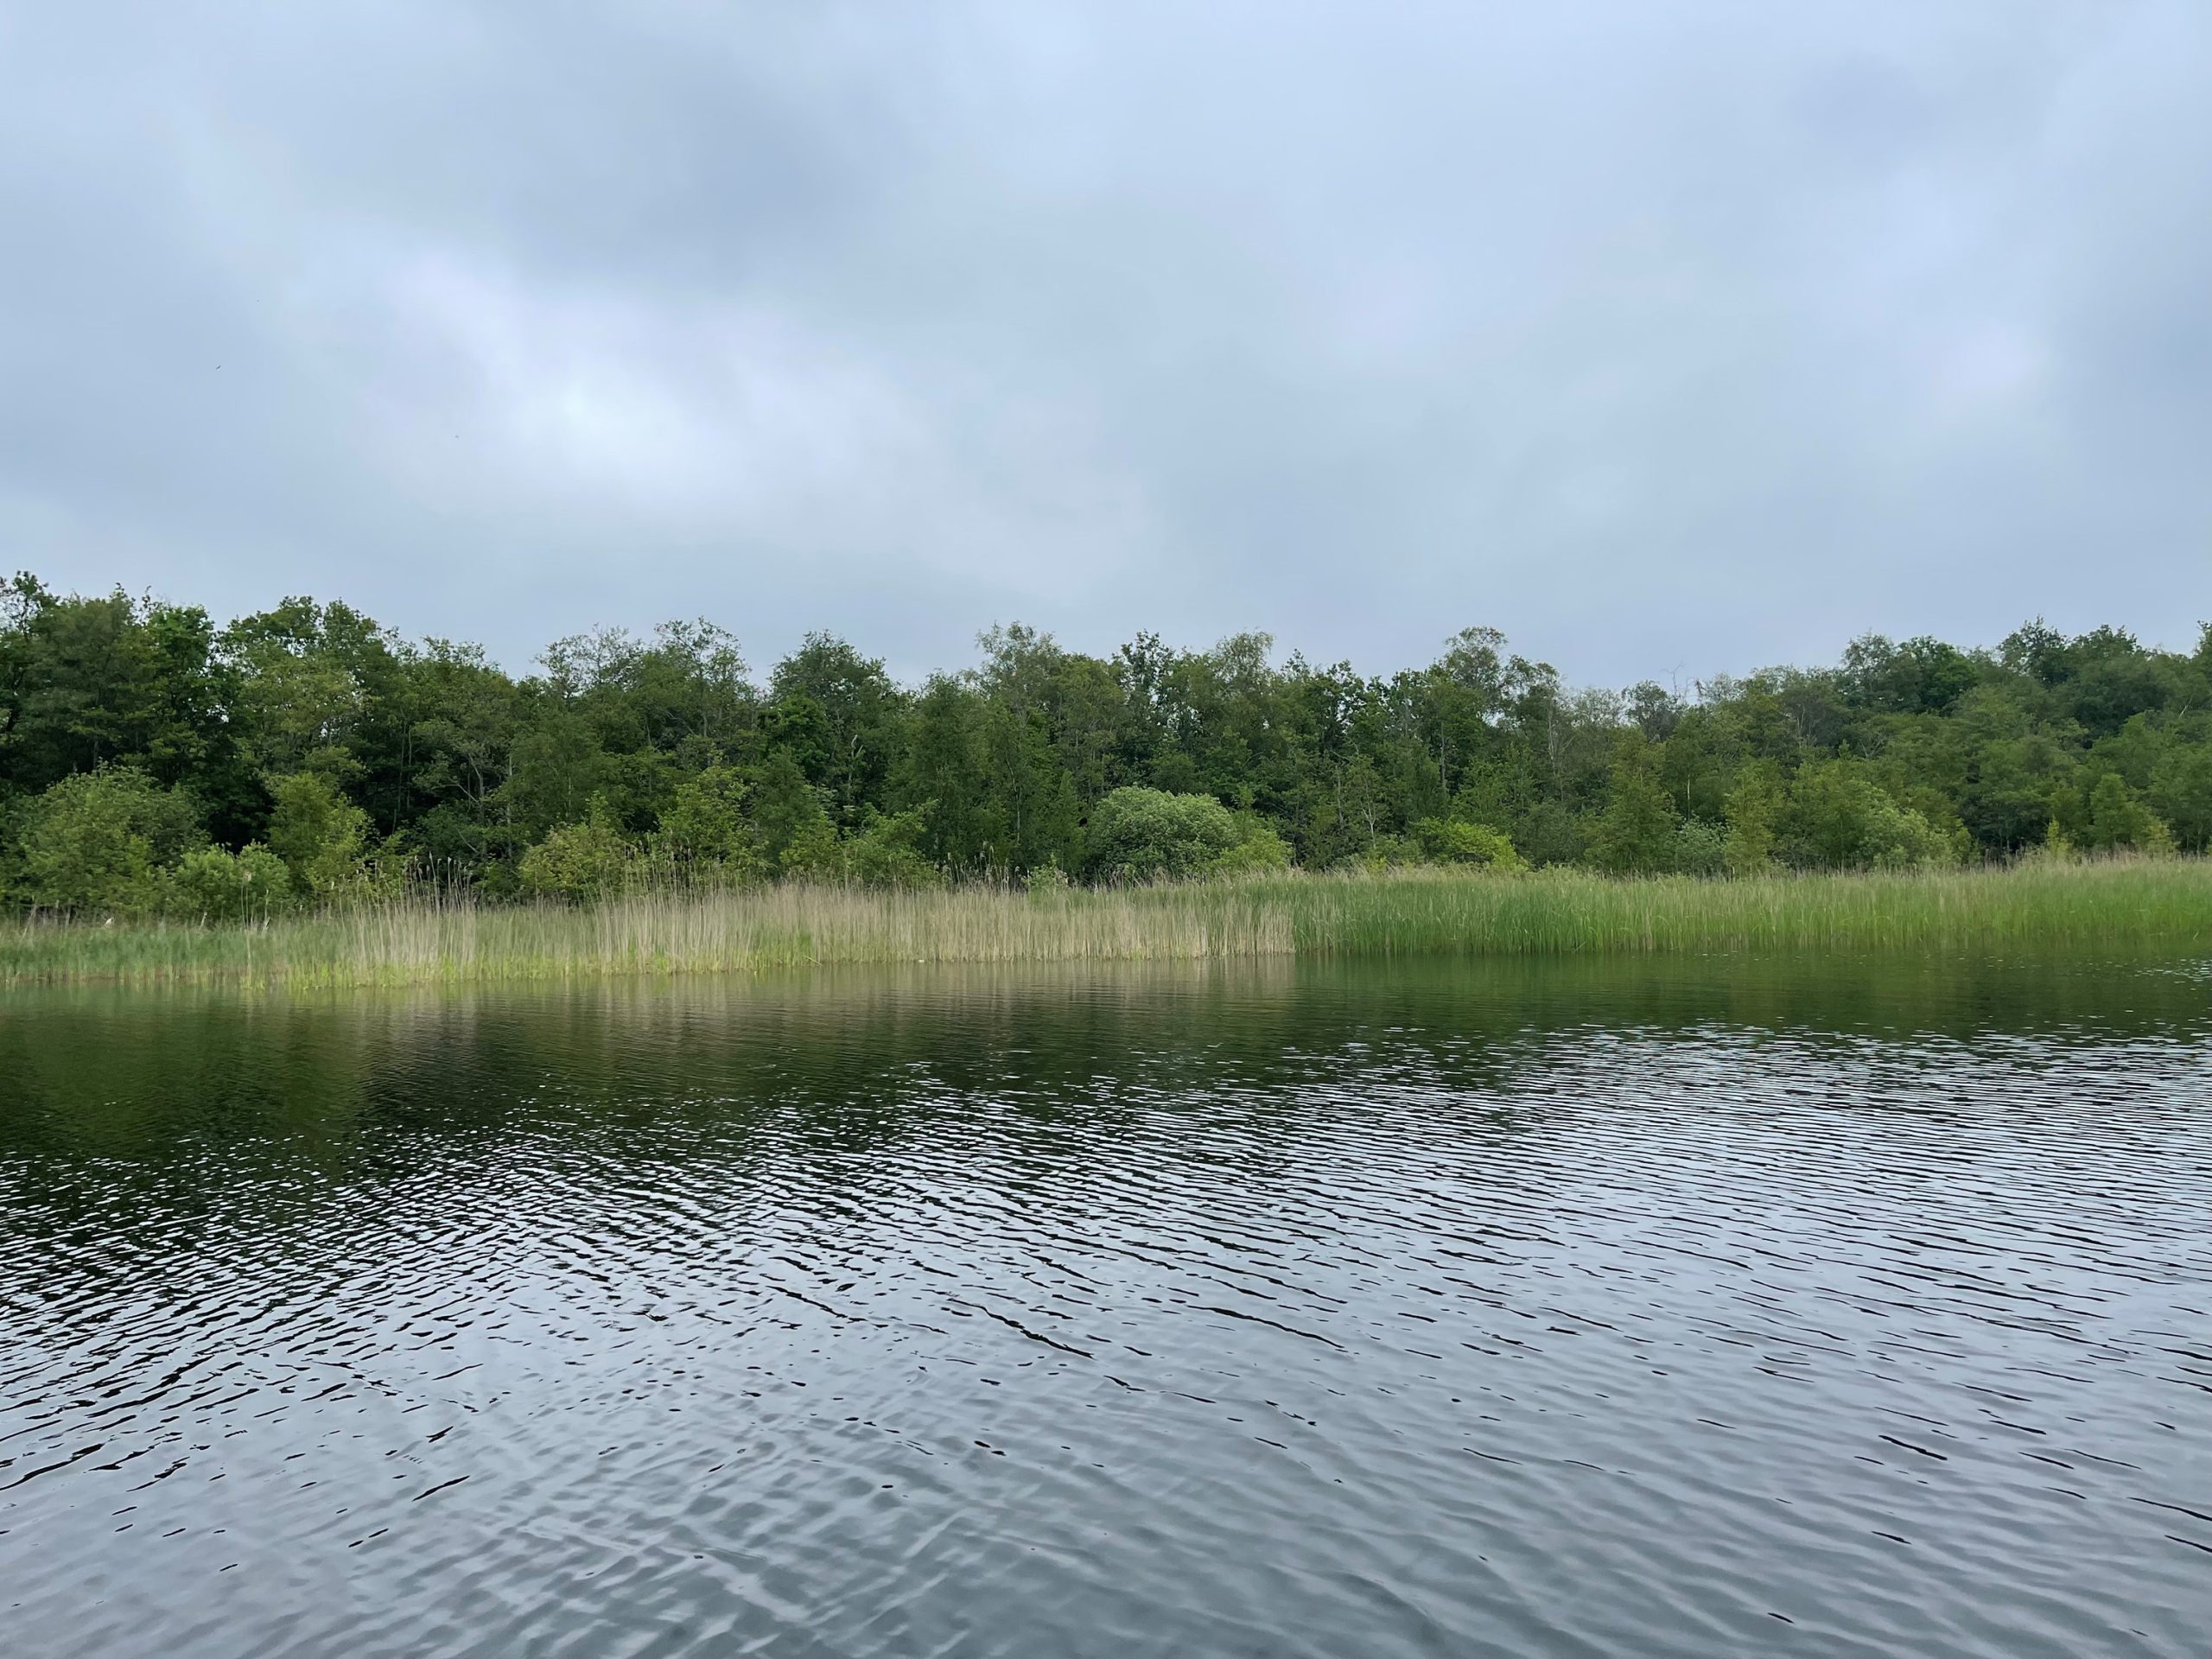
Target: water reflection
1683, 1308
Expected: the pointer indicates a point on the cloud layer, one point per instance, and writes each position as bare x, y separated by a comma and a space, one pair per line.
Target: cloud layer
1668, 339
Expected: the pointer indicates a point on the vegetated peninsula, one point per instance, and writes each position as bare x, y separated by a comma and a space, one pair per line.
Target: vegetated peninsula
303, 793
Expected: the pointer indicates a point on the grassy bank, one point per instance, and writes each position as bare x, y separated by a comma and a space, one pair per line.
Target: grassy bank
2164, 904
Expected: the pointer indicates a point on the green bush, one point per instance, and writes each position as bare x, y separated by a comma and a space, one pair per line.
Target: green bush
581, 861
888, 854
1700, 847
1837, 817
1753, 807
322, 837
1386, 853
2119, 818
1453, 841
2181, 793
1637, 833
1258, 850
1143, 835
97, 841
211, 884
704, 827
795, 835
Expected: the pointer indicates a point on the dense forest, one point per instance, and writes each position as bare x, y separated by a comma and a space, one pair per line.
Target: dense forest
152, 762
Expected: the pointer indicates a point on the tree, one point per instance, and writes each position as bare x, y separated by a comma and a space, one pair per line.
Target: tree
1031, 813
310, 732
795, 833
107, 681
322, 836
836, 713
1636, 832
1922, 676
1838, 818
1754, 805
2181, 793
311, 688
704, 827
2117, 818
887, 852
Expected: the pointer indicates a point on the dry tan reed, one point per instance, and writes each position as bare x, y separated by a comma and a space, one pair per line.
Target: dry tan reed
2165, 905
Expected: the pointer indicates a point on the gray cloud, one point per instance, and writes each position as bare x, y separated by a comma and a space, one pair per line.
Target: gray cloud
1668, 339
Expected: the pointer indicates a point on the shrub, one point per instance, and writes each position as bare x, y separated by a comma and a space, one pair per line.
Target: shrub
886, 854
1140, 835
1386, 853
1453, 841
2118, 818
814, 850
2180, 792
1838, 817
96, 840
213, 885
1753, 807
1258, 848
704, 827
1700, 847
1635, 834
580, 861
322, 836
795, 835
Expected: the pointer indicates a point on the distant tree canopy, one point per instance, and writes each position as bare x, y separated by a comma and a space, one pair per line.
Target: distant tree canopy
152, 761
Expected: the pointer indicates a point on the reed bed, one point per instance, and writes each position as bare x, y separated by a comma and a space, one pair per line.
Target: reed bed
2164, 904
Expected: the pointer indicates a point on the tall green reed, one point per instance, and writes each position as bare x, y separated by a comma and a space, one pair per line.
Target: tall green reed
429, 938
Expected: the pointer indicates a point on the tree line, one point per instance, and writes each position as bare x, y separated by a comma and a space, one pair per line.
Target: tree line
153, 762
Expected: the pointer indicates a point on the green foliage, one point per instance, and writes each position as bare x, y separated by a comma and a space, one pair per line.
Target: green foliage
888, 854
1257, 850
309, 686
96, 842
2181, 793
583, 862
214, 885
322, 836
2117, 819
1700, 847
1837, 817
1637, 832
836, 713
1142, 835
312, 730
1754, 807
795, 835
1454, 840
1922, 676
704, 827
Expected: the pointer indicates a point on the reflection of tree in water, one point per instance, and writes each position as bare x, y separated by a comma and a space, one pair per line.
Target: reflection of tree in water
371, 1087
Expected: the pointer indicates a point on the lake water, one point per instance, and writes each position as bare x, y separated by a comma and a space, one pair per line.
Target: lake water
1680, 1309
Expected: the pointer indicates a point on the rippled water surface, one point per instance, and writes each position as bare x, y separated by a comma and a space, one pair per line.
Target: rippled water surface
1657, 1310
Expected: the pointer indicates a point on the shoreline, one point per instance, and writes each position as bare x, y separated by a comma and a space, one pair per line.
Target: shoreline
2133, 903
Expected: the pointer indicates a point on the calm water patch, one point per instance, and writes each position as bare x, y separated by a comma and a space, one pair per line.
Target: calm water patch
1654, 1309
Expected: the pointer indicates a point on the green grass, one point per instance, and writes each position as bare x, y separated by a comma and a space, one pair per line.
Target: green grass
2163, 905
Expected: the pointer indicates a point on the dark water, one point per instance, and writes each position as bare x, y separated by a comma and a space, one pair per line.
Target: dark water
1677, 1310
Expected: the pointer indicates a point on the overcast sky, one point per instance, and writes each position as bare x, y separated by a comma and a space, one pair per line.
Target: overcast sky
1668, 336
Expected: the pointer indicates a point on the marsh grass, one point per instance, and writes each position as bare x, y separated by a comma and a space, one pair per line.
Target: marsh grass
2164, 904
